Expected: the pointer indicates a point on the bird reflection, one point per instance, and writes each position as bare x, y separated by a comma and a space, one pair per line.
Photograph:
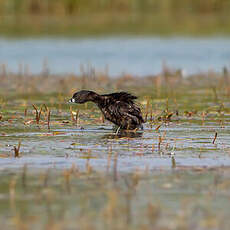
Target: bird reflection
123, 134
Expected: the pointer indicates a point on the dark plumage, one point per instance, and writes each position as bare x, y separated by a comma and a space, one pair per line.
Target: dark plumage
119, 108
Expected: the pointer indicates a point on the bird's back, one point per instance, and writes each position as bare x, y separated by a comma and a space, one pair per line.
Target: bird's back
120, 109
120, 96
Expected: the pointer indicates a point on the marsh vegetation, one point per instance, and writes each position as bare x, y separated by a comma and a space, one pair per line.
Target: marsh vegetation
62, 167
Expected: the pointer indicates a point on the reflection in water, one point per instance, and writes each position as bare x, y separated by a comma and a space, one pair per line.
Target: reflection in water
123, 134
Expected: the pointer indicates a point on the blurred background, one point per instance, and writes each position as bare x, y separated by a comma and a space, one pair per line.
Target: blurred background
103, 17
117, 36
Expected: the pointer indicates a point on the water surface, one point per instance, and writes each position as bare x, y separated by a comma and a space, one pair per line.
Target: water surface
117, 55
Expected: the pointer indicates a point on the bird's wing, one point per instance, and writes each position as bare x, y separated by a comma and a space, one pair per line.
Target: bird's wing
122, 109
131, 109
121, 96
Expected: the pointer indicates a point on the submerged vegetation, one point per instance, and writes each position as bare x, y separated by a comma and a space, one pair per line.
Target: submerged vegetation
62, 167
99, 17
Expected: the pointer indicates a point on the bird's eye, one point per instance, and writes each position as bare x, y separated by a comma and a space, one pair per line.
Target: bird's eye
73, 100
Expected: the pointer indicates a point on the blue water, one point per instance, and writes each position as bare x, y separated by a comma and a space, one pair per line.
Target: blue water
134, 55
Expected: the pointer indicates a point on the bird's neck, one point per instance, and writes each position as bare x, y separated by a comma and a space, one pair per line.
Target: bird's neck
96, 98
99, 100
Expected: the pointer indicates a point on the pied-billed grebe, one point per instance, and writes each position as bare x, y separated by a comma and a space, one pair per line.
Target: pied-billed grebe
119, 108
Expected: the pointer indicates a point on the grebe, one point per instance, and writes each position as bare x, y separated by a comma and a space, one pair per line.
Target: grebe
119, 108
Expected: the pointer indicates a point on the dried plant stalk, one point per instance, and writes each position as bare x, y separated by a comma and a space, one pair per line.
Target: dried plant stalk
214, 139
48, 120
38, 113
17, 150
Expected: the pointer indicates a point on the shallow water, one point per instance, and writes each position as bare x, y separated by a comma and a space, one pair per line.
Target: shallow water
162, 199
116, 55
183, 145
84, 175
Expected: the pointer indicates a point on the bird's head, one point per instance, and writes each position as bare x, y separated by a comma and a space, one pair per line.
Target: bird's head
83, 96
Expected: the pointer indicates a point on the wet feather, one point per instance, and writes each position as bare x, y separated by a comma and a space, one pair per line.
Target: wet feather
119, 108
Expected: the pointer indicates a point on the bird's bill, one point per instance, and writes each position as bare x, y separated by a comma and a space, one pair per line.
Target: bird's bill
72, 100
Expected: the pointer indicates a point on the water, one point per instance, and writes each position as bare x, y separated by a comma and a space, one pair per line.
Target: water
134, 55
65, 146
84, 175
